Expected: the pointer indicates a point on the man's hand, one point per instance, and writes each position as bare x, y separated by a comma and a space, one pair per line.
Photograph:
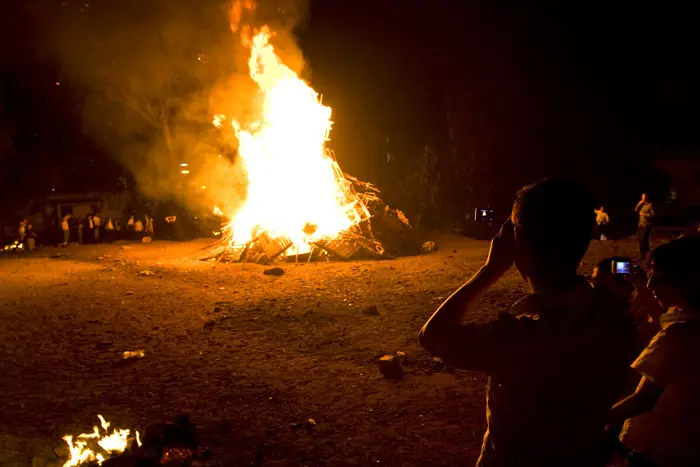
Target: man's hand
502, 251
638, 277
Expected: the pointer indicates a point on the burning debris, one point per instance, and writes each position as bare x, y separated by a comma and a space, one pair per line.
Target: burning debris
95, 447
15, 246
161, 444
299, 202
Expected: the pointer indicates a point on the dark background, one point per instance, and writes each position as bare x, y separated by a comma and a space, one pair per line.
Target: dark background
501, 95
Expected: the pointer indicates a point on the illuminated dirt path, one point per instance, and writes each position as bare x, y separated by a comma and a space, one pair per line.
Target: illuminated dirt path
278, 351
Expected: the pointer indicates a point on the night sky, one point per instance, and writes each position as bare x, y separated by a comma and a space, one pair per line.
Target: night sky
594, 92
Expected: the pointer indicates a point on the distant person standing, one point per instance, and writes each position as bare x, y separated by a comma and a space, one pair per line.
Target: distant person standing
138, 228
90, 228
65, 227
109, 230
149, 227
22, 230
30, 236
130, 227
173, 232
80, 227
97, 223
602, 219
118, 230
646, 216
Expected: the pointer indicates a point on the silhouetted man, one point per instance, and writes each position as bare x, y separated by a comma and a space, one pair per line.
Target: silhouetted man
65, 227
559, 357
646, 215
602, 220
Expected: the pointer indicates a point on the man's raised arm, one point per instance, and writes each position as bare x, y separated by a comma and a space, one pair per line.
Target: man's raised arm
440, 329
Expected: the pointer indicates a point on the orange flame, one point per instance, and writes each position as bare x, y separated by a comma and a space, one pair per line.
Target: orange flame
239, 6
295, 187
81, 451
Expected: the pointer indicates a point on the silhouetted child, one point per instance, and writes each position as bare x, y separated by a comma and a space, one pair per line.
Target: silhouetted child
667, 399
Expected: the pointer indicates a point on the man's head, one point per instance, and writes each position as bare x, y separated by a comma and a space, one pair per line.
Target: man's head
675, 273
554, 221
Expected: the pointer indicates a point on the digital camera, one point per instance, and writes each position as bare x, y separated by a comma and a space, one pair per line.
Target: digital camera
622, 268
484, 215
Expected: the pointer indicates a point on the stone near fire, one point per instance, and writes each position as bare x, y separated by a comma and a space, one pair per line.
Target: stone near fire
437, 364
429, 246
371, 311
273, 272
390, 367
146, 272
133, 354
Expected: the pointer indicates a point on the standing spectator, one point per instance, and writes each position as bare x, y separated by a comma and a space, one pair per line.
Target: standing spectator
130, 227
602, 220
97, 222
556, 361
149, 227
138, 228
109, 230
31, 237
90, 225
666, 405
646, 216
22, 230
65, 227
118, 230
81, 227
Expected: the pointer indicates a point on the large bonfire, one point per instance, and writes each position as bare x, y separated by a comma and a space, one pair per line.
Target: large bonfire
298, 199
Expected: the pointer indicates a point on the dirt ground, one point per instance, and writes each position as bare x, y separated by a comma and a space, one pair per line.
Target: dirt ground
278, 350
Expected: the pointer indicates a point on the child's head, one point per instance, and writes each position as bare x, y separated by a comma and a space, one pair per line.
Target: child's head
554, 221
675, 273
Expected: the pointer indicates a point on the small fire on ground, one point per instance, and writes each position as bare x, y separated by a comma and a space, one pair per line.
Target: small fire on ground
97, 446
297, 196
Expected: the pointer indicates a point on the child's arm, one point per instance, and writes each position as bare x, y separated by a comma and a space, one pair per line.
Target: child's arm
641, 401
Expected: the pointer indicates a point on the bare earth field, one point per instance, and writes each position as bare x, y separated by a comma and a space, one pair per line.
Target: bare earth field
278, 351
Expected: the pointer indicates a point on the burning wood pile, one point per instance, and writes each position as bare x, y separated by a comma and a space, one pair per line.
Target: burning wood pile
298, 203
356, 241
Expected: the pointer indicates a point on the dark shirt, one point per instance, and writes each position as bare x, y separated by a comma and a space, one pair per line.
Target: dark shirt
557, 364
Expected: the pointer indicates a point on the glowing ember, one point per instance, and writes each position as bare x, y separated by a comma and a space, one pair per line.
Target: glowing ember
295, 187
218, 120
95, 447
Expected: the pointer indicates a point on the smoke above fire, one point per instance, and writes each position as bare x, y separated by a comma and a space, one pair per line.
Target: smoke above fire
154, 74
